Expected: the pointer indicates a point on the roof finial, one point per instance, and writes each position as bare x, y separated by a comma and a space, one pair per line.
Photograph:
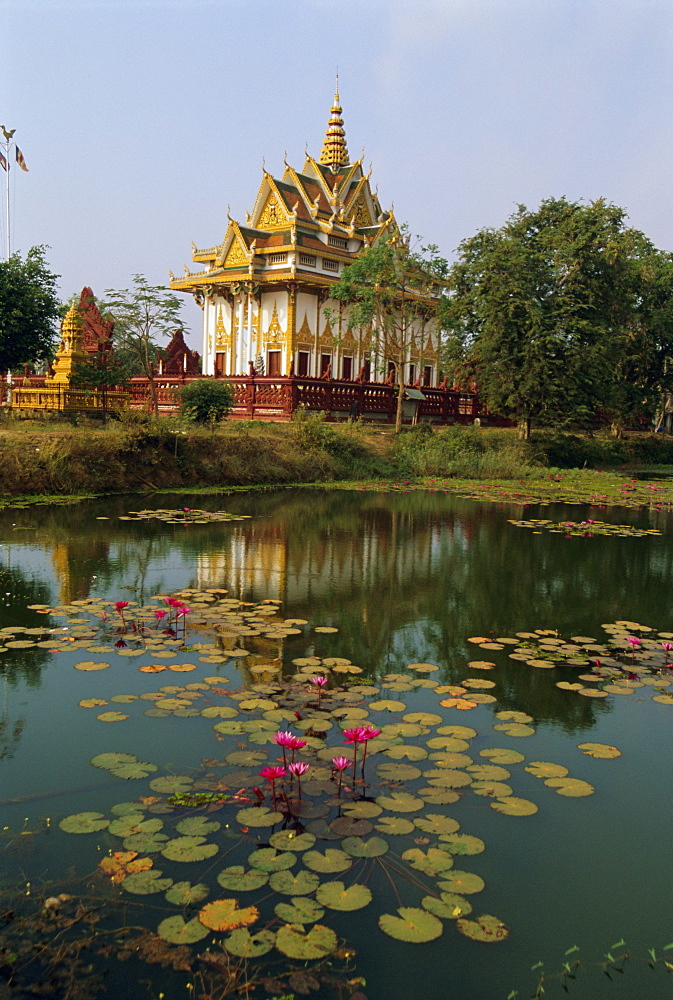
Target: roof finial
334, 149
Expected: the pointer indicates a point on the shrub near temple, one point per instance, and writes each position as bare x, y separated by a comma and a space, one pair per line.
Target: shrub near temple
206, 400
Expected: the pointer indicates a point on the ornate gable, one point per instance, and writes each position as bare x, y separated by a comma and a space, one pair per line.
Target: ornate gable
236, 255
273, 214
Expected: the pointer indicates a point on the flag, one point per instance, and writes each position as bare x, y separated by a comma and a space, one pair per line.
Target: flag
3, 162
20, 160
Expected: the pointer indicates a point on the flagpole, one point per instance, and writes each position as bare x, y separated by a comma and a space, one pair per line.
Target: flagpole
9, 240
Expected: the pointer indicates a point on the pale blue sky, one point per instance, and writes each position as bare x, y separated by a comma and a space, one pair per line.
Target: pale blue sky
142, 120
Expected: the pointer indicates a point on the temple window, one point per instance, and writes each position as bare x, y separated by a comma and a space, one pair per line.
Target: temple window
303, 363
307, 260
273, 363
330, 265
347, 368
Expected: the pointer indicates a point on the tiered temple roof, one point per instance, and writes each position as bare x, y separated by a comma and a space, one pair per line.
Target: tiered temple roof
326, 208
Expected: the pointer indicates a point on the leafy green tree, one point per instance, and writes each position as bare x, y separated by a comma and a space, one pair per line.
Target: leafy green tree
28, 309
206, 400
393, 294
547, 308
102, 372
141, 314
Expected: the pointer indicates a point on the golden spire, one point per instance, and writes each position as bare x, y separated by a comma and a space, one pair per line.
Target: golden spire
334, 149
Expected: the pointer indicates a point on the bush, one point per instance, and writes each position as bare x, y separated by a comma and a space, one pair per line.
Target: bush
206, 401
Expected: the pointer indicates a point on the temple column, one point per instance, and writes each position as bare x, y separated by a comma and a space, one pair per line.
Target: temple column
240, 339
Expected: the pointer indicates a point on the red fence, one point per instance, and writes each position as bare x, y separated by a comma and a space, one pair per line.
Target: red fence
276, 399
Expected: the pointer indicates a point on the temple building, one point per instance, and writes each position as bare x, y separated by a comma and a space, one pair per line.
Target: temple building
265, 289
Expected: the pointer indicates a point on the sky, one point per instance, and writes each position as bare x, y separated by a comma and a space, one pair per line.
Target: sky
143, 122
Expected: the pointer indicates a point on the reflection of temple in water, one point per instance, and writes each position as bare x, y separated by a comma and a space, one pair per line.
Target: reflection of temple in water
277, 560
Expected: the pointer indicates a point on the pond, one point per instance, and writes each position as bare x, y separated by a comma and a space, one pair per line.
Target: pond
486, 844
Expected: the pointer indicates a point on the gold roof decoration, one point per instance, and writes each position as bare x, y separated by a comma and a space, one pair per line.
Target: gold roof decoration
334, 149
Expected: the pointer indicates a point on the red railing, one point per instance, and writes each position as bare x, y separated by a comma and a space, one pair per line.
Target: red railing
276, 399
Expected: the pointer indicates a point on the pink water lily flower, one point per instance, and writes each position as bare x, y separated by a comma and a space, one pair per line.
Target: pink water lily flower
272, 774
297, 769
119, 608
355, 736
320, 682
368, 733
667, 647
634, 642
296, 743
283, 739
340, 764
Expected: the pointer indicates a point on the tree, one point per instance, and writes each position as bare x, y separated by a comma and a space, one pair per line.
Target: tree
141, 314
393, 294
546, 308
102, 372
29, 309
206, 400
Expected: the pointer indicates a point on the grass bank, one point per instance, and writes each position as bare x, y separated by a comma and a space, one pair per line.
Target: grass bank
49, 458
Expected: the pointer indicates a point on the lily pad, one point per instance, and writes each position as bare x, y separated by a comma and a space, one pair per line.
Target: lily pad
414, 924
185, 894
603, 751
400, 802
300, 910
546, 769
449, 906
485, 928
177, 931
237, 879
572, 787
147, 882
436, 823
84, 822
461, 843
409, 751
302, 884
492, 789
513, 806
331, 860
243, 944
337, 896
432, 862
290, 840
374, 847
488, 772
197, 826
225, 915
146, 843
394, 825
268, 859
295, 942
463, 883
258, 816
189, 849
515, 729
173, 784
